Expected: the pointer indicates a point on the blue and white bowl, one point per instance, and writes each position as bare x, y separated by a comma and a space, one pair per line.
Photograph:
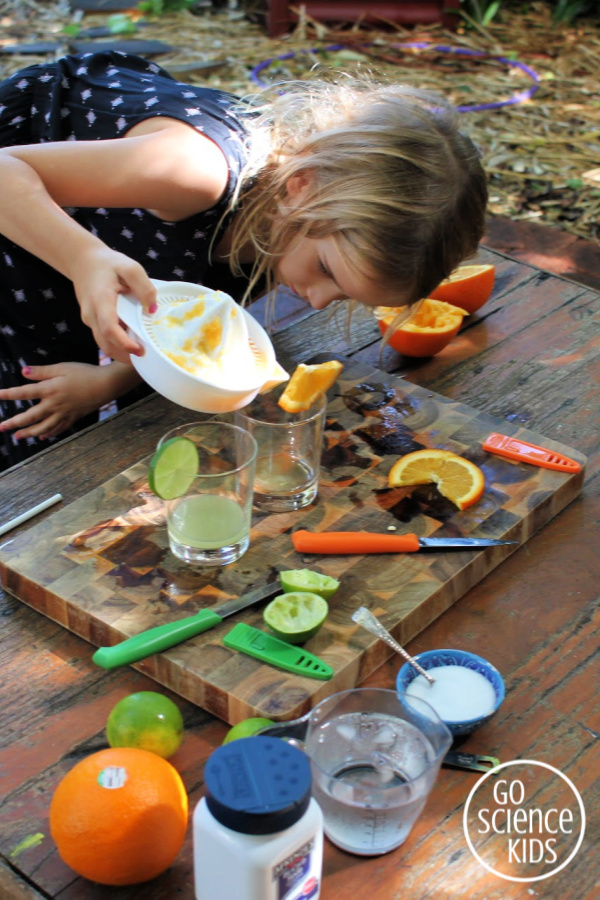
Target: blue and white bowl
431, 659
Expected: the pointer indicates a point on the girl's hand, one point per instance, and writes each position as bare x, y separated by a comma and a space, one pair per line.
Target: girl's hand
66, 392
161, 165
99, 276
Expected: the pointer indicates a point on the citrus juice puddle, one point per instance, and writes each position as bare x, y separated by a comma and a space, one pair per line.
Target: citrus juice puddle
207, 522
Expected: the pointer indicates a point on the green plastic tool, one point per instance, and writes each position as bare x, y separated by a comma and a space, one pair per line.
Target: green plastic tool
269, 649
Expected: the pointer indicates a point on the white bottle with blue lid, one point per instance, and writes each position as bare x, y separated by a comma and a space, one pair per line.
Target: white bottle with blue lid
258, 833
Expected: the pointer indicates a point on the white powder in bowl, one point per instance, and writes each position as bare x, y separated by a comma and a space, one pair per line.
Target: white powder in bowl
457, 694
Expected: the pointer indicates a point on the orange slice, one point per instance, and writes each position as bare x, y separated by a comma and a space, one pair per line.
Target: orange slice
468, 287
307, 383
457, 479
427, 332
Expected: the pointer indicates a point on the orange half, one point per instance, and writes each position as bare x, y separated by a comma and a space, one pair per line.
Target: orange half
307, 383
468, 287
457, 479
427, 332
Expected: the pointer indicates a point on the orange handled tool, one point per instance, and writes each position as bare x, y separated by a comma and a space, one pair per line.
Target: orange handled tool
522, 451
344, 542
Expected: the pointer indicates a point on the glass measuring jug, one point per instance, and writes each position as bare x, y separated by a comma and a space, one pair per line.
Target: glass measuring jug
375, 757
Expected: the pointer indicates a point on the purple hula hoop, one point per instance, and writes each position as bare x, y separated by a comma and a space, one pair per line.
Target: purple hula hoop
518, 97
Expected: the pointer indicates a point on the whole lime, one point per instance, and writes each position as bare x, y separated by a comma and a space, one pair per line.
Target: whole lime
246, 728
146, 720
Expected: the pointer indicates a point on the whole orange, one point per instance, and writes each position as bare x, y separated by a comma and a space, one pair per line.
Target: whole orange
119, 816
426, 332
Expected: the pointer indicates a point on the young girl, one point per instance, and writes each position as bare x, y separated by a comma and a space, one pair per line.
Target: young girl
113, 173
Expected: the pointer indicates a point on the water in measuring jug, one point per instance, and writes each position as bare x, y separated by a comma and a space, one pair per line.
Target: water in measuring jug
372, 778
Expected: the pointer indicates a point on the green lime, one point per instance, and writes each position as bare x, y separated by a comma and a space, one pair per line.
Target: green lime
173, 468
246, 728
146, 720
307, 580
296, 616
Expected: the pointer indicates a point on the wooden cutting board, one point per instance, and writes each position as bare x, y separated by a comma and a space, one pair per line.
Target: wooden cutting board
101, 566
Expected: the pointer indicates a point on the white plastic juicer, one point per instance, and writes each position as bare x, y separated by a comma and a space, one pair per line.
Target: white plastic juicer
201, 349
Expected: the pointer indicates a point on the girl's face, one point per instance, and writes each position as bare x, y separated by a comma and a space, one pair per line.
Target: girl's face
316, 270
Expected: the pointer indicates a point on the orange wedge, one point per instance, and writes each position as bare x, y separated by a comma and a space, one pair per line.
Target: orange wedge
307, 383
427, 332
468, 287
457, 479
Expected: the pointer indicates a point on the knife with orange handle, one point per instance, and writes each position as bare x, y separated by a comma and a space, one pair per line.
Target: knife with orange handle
358, 542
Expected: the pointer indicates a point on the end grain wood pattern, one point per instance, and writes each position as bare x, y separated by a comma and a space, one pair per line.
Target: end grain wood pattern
101, 566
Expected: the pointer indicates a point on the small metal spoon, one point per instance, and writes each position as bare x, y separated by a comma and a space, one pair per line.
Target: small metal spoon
365, 617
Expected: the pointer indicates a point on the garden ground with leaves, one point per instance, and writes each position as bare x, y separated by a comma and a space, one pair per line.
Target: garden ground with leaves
542, 153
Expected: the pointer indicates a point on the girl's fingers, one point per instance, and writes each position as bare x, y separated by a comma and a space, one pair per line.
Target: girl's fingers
43, 429
29, 423
112, 338
20, 421
140, 286
40, 373
22, 392
56, 429
118, 345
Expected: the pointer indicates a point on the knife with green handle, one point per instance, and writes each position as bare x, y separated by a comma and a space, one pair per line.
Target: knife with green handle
154, 640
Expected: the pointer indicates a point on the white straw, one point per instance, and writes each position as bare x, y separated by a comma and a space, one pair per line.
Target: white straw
30, 513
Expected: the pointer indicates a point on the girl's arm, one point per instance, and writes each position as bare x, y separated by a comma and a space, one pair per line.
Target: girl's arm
172, 170
66, 392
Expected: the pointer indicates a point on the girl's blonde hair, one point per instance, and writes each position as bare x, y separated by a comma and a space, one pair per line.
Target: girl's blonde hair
389, 175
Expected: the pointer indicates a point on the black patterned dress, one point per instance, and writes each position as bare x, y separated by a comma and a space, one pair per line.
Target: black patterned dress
96, 97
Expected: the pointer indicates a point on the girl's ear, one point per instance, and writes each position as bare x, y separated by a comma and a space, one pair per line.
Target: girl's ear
297, 184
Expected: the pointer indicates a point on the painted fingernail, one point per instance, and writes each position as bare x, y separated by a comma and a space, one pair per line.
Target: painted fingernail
26, 370
152, 309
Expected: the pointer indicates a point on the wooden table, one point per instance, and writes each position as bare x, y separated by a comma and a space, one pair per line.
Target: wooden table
530, 356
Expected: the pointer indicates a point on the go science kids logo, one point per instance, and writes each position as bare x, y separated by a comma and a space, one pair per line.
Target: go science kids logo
524, 820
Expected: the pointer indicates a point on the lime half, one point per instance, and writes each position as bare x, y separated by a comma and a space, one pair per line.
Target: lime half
296, 616
307, 580
173, 468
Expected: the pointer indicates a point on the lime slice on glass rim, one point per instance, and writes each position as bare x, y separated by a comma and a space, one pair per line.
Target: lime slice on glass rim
173, 468
296, 616
307, 580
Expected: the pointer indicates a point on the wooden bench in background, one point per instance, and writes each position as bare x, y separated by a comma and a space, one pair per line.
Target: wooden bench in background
281, 15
